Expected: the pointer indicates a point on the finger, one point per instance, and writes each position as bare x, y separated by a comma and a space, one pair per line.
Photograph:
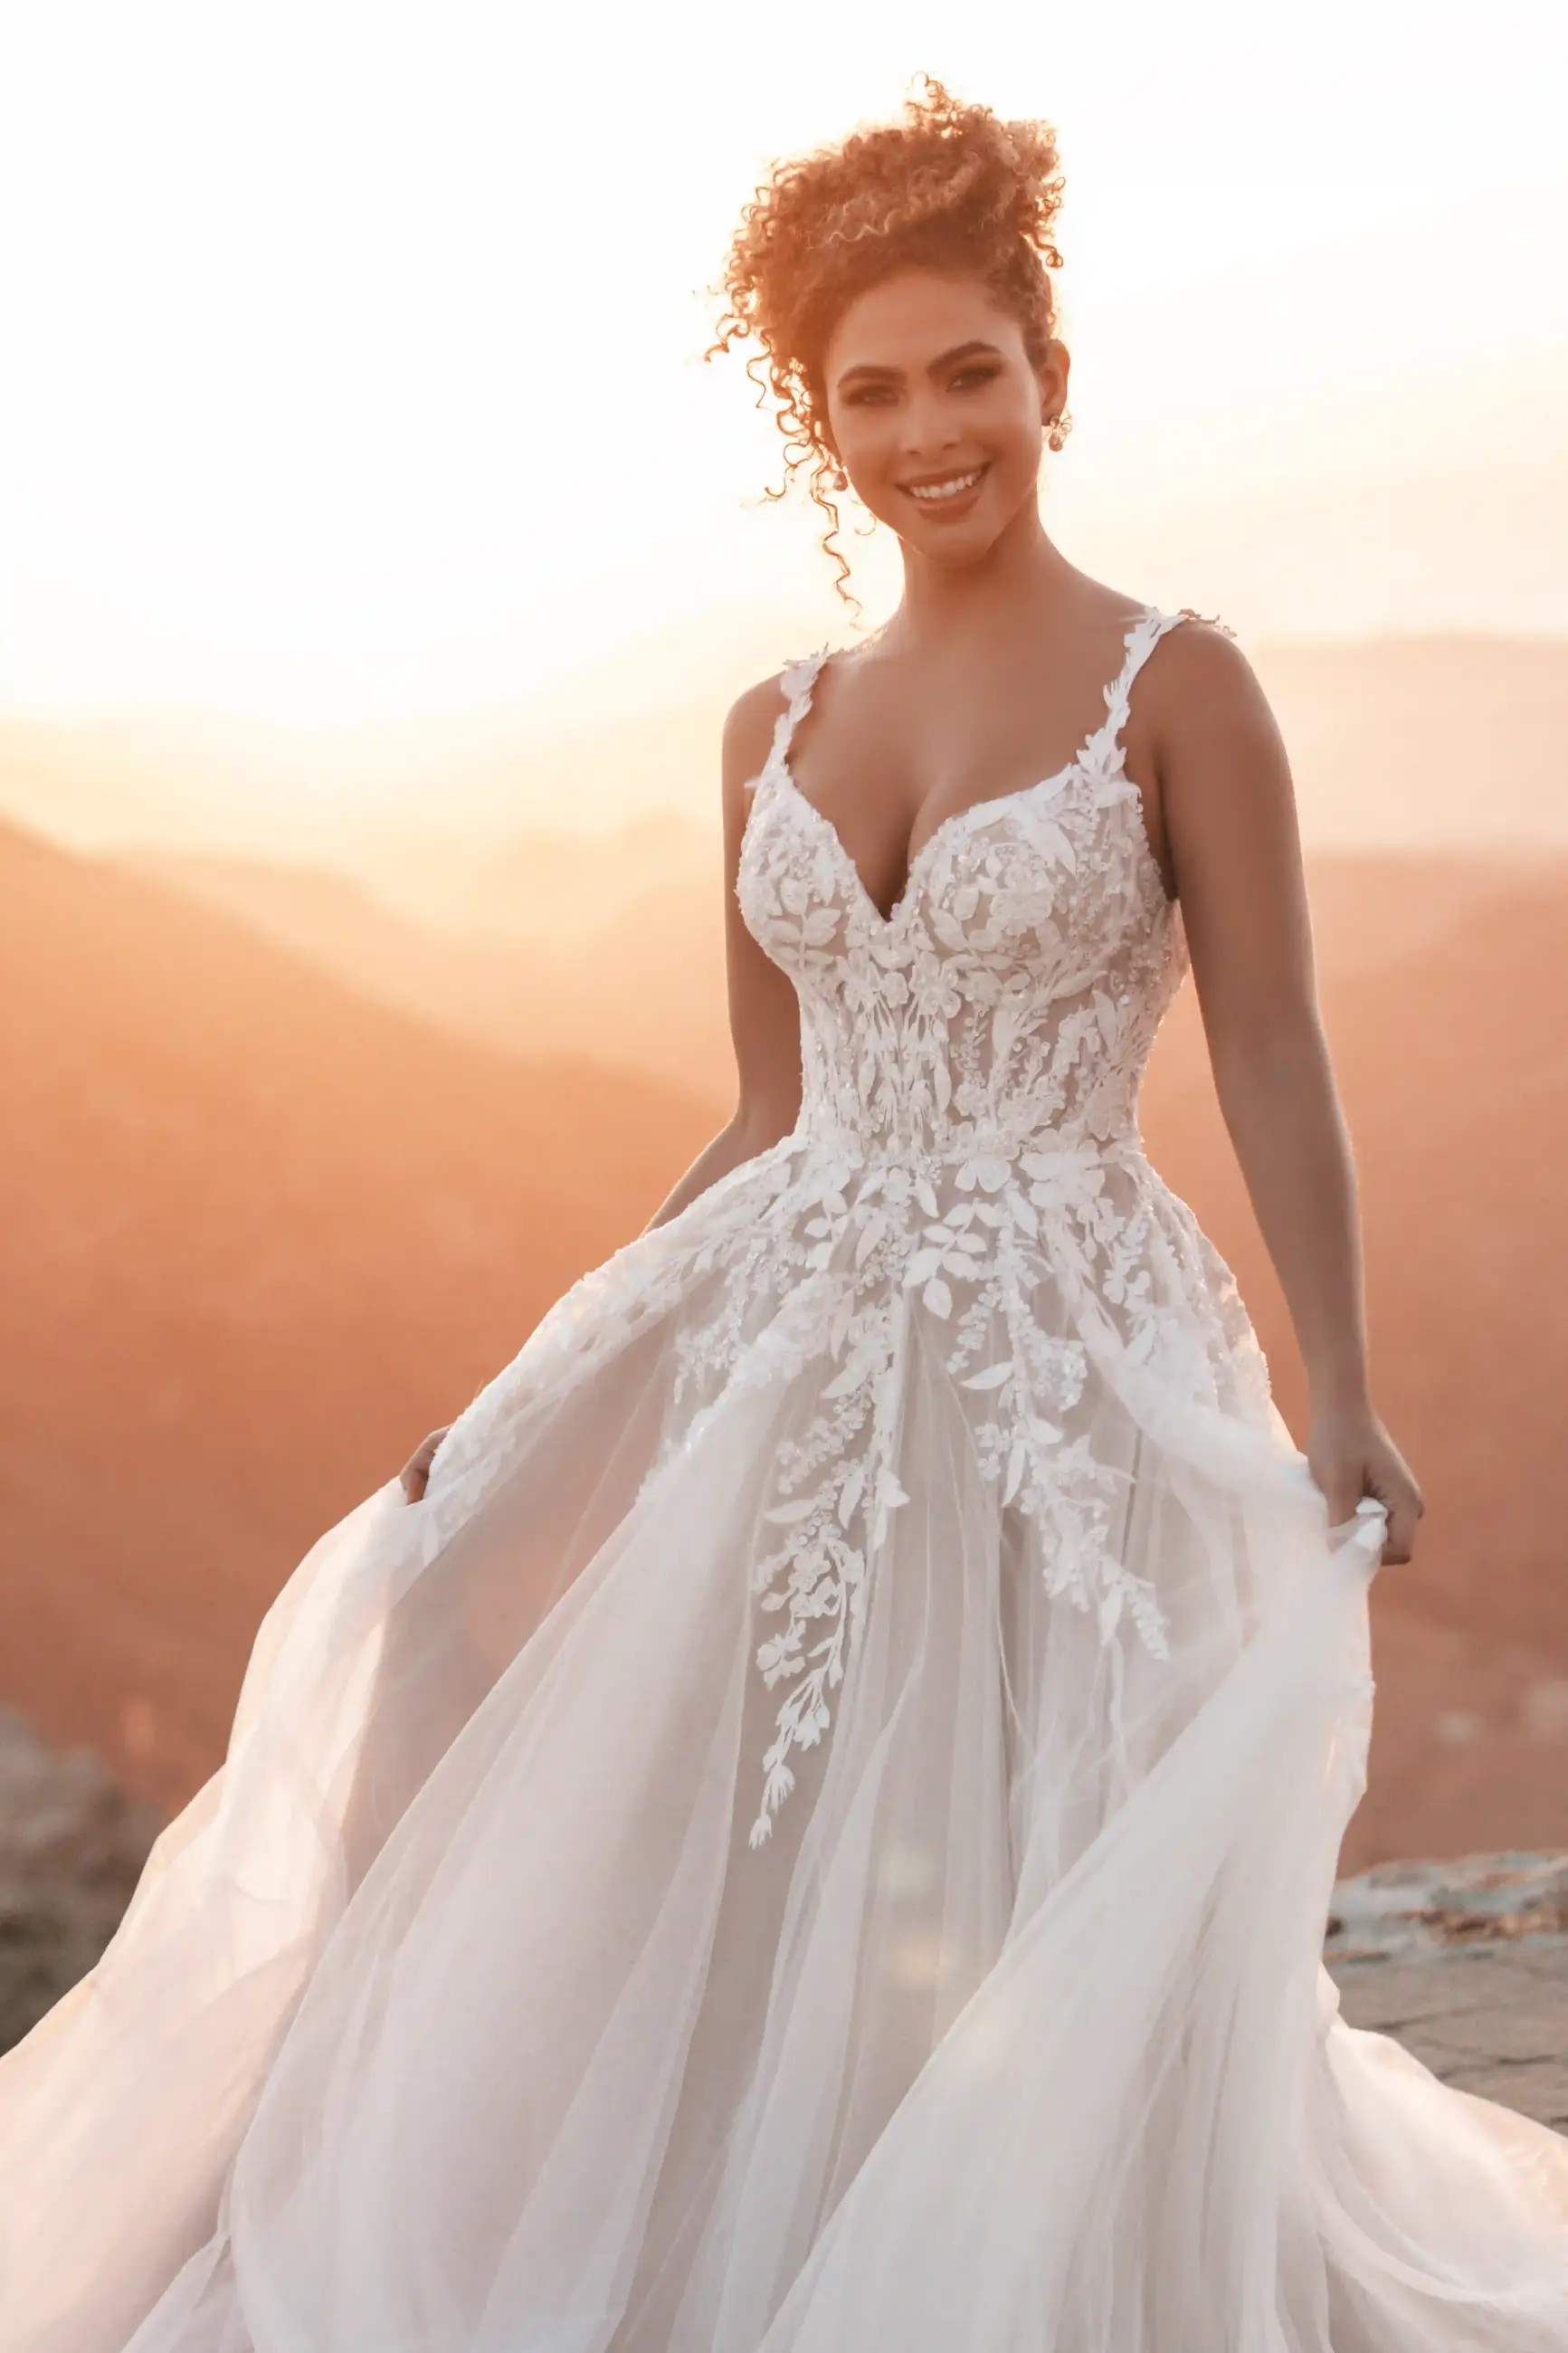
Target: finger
1341, 1499
1401, 1541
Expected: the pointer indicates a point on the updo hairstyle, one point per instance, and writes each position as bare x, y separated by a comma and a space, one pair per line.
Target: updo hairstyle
948, 187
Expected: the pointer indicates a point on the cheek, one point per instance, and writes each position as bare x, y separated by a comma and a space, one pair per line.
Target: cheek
866, 436
870, 447
1015, 429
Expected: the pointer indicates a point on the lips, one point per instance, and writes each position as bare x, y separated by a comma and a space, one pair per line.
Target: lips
952, 492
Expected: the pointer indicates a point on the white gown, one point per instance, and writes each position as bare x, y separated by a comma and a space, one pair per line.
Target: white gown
816, 1835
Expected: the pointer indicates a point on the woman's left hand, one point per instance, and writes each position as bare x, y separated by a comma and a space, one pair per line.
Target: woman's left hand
1350, 1454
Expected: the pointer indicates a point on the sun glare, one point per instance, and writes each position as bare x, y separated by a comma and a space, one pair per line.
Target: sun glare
359, 353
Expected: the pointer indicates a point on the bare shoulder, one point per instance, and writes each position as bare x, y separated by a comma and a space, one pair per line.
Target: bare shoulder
1227, 805
1200, 682
749, 725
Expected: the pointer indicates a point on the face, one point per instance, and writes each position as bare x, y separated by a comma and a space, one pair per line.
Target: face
935, 412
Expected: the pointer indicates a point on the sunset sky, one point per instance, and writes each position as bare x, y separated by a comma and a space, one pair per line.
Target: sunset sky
354, 363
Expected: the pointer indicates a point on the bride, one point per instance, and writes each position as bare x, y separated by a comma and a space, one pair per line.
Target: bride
803, 1822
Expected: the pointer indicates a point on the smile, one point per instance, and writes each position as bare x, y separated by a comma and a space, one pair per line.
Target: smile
951, 486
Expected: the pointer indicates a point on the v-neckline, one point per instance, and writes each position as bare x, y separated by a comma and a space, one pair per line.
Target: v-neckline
1059, 777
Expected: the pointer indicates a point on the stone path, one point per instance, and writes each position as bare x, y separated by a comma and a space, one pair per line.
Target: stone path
1494, 2022
1467, 1964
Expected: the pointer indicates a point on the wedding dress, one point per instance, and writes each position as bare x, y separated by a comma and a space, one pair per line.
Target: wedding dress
815, 1836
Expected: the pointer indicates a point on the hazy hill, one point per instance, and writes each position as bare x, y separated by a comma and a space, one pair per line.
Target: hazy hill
579, 952
1425, 742
256, 1235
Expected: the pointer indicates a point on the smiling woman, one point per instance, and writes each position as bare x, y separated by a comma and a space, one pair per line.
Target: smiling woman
976, 403
803, 1822
954, 192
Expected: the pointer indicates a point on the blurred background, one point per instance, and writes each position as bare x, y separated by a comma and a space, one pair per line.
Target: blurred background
378, 556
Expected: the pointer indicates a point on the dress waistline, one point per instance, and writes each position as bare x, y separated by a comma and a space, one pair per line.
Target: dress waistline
983, 1148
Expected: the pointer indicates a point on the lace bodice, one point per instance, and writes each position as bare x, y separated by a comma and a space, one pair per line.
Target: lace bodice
966, 1156
1017, 983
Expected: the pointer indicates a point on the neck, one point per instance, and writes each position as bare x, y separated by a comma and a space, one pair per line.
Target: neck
1023, 576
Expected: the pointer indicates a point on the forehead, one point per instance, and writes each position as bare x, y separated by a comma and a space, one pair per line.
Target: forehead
907, 318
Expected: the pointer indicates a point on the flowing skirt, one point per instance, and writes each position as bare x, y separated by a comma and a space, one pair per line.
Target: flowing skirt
816, 1835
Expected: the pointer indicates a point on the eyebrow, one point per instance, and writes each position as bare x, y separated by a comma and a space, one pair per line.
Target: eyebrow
942, 360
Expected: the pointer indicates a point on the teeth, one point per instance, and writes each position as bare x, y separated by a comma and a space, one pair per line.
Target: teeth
932, 490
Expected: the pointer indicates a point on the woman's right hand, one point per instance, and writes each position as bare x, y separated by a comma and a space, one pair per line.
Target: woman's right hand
416, 1473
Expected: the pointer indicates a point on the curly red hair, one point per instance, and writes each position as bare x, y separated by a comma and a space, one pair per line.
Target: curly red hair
949, 186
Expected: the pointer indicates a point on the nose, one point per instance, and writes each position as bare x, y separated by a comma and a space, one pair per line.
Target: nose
931, 425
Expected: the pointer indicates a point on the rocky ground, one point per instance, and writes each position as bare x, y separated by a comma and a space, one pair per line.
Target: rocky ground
71, 1847
1464, 1962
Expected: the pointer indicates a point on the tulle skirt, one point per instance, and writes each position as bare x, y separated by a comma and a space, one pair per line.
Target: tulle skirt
531, 1979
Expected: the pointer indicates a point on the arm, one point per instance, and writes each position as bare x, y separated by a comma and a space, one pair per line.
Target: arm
764, 1014
763, 1017
1229, 815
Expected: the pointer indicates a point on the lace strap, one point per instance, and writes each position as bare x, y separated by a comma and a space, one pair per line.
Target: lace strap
796, 681
1142, 637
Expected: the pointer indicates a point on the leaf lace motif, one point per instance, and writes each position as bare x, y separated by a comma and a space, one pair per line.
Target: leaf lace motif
974, 1060
967, 1151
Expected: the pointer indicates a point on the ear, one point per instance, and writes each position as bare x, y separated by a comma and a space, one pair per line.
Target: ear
1051, 376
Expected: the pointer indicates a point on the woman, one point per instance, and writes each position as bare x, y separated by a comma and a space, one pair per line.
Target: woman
804, 1821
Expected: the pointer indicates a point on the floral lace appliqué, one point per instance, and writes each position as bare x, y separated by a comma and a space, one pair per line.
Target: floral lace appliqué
966, 1153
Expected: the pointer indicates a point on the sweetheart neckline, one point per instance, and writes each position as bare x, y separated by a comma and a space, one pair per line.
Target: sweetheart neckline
778, 764
780, 767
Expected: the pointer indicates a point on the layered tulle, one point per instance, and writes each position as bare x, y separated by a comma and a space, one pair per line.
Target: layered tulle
464, 2010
